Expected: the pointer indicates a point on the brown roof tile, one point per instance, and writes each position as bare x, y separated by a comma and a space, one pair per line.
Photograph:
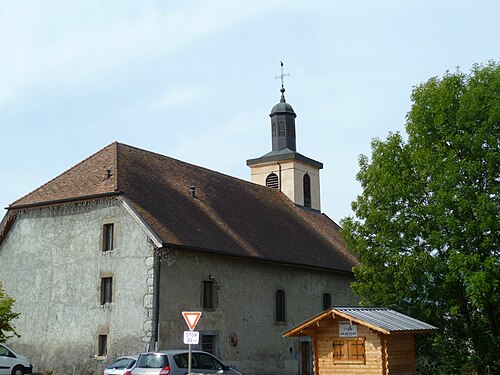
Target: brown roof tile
87, 178
228, 215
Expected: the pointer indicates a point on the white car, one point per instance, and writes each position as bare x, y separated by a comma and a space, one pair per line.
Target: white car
121, 365
12, 363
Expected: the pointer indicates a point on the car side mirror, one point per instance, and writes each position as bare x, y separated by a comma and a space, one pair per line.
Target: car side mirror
226, 368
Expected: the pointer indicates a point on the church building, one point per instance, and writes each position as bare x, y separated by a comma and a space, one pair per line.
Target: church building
103, 259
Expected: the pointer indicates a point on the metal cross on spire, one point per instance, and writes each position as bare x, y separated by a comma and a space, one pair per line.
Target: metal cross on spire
282, 76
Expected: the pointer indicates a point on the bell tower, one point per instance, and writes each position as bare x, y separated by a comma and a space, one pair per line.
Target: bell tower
283, 167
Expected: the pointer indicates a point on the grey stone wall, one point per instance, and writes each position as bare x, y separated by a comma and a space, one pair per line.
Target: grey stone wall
245, 306
51, 262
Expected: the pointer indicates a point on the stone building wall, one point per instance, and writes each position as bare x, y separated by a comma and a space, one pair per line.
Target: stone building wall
51, 263
243, 319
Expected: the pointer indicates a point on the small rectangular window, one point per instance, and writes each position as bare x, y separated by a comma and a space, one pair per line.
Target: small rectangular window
103, 346
107, 236
327, 301
106, 290
208, 343
208, 294
349, 350
280, 306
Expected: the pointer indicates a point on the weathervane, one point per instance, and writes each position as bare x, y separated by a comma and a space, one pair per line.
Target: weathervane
282, 76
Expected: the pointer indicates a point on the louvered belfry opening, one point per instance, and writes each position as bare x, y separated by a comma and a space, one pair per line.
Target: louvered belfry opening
307, 190
272, 181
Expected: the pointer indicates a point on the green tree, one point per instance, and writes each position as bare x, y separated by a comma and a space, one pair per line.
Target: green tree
426, 226
6, 316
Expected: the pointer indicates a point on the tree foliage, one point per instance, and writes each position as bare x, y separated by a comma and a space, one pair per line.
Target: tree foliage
426, 229
6, 316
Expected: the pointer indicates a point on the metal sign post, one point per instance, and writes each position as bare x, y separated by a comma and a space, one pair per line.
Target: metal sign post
191, 337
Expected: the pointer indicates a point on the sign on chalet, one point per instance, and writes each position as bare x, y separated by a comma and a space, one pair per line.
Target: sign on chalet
360, 340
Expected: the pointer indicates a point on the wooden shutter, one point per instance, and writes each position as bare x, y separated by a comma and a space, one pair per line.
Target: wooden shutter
349, 350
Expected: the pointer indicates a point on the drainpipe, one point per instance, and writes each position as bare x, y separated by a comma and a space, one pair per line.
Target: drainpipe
155, 339
279, 178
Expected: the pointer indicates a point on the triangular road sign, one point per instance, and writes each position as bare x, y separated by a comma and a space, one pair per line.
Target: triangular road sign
191, 318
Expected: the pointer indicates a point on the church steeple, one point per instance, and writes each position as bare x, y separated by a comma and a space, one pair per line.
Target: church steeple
296, 175
283, 121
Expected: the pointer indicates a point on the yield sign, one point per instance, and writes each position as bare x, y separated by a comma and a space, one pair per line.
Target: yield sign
191, 318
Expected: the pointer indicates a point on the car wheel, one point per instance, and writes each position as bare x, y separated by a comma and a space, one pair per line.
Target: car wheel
18, 370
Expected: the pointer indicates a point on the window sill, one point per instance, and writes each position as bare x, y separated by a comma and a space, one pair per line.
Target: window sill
348, 362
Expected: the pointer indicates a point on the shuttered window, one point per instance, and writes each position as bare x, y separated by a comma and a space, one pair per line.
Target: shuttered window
349, 350
307, 190
272, 181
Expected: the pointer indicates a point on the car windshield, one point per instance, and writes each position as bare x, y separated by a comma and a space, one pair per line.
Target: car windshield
152, 360
121, 364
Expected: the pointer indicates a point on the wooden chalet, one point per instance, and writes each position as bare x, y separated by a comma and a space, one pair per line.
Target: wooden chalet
360, 340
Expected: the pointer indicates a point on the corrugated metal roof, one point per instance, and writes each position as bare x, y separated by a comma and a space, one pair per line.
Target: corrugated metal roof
386, 319
379, 319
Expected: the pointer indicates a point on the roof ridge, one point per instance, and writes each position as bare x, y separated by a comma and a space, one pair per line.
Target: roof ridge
241, 180
115, 143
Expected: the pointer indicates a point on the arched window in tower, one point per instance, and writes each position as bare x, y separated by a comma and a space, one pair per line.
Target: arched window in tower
272, 181
280, 306
307, 190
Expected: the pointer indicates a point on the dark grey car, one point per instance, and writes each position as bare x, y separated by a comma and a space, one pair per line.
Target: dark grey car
175, 362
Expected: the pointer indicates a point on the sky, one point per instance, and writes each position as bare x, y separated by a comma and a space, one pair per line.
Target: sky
195, 79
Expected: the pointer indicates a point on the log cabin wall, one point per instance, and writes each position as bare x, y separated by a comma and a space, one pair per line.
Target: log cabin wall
401, 355
324, 364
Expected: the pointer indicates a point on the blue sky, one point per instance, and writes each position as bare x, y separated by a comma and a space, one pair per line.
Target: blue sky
194, 80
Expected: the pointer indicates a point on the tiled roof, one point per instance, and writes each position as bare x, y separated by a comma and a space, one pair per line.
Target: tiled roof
228, 215
87, 178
